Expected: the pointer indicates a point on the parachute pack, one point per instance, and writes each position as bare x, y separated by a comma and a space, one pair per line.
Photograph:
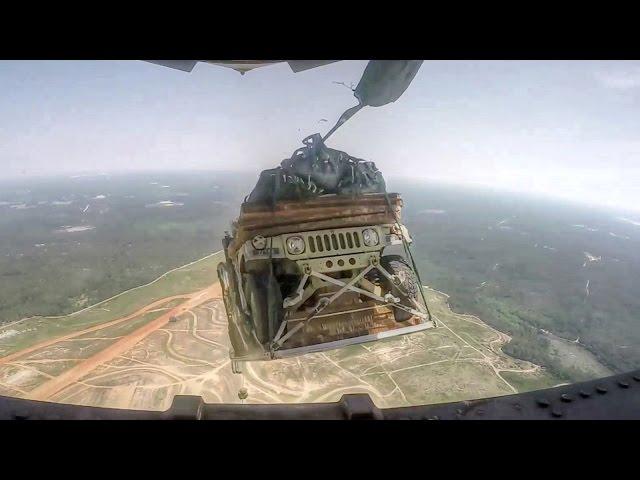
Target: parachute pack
316, 169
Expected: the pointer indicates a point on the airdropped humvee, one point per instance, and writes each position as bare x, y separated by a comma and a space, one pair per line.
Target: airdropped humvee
309, 263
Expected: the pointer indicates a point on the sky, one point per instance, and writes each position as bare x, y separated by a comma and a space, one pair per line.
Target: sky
568, 129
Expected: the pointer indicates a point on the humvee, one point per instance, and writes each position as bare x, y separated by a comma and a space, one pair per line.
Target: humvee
310, 275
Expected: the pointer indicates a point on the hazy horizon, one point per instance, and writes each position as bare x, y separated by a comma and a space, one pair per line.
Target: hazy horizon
563, 129
394, 183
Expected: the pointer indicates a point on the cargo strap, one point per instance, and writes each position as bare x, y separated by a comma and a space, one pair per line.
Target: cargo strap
409, 255
279, 339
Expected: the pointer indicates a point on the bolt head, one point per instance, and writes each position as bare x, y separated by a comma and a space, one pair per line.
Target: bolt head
543, 402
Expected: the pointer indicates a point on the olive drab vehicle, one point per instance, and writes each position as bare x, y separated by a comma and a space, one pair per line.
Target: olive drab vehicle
310, 262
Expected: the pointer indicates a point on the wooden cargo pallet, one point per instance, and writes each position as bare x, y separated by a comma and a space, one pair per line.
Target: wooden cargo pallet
320, 213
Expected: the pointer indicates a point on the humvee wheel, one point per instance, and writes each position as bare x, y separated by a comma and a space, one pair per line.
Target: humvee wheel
223, 278
396, 265
240, 336
255, 293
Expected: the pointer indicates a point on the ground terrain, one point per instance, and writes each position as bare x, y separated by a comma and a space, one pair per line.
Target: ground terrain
173, 340
560, 280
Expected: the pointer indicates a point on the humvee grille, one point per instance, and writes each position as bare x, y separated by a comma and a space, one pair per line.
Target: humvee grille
333, 242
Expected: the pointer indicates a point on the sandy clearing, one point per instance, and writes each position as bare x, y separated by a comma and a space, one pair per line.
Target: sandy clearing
53, 341
53, 386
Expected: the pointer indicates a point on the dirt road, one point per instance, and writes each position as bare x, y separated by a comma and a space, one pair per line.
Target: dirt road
51, 387
138, 366
52, 341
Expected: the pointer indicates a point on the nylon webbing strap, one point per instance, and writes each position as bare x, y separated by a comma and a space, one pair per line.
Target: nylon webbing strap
407, 250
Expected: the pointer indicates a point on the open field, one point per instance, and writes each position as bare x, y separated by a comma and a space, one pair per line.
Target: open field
531, 265
82, 240
163, 292
163, 346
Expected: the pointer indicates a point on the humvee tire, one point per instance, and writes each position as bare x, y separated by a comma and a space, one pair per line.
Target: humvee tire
397, 265
242, 340
275, 311
255, 292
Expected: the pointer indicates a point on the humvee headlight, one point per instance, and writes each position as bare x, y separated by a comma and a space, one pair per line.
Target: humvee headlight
370, 237
295, 245
259, 242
